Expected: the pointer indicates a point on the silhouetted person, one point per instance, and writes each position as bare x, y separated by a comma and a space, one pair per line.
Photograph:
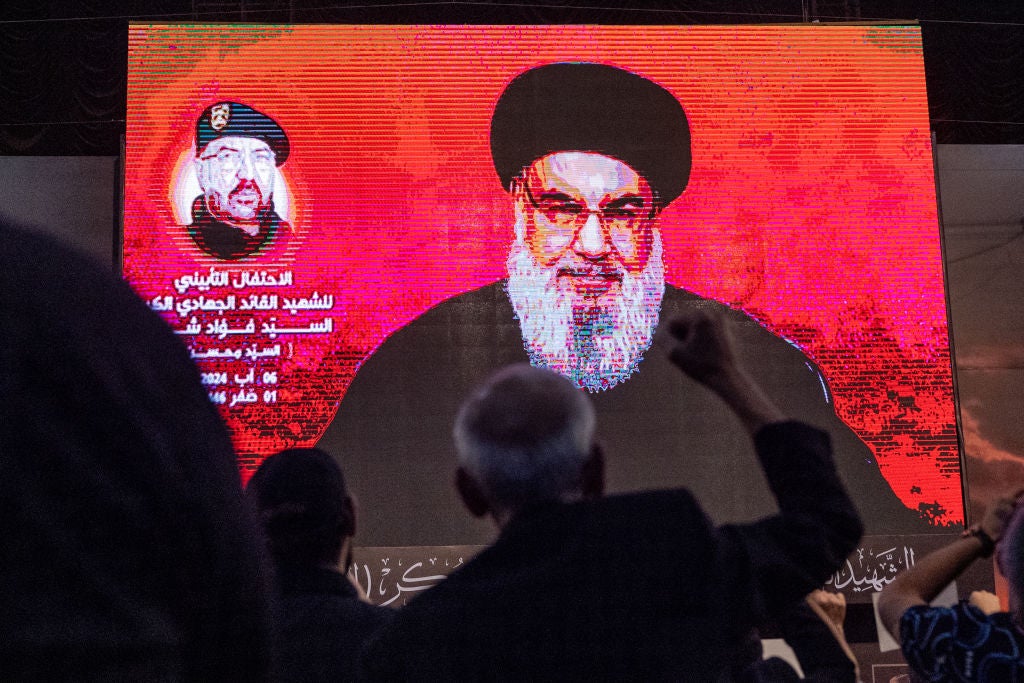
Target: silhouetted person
630, 587
309, 519
128, 552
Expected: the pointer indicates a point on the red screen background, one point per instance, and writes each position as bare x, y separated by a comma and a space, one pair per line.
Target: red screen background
811, 204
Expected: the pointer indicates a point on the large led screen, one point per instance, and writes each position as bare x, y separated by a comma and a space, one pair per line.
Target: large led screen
350, 226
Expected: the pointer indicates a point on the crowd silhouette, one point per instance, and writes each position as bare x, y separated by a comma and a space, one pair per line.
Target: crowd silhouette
131, 551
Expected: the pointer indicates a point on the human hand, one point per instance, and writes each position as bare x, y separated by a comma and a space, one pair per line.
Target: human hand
985, 601
830, 606
831, 609
998, 515
702, 346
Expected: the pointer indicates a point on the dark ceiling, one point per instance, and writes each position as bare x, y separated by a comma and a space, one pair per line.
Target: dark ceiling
63, 64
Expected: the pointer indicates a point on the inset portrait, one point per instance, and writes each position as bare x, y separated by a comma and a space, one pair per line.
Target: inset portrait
238, 153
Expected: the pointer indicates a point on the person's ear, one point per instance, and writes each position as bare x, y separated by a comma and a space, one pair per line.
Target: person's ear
518, 193
592, 473
472, 495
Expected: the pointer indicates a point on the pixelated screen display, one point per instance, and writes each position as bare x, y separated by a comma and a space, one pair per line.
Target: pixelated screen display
294, 195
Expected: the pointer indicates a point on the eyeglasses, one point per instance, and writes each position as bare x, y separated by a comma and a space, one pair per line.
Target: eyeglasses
231, 159
620, 218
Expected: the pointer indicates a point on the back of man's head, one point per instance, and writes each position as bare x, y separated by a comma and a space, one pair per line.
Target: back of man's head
304, 506
524, 436
128, 551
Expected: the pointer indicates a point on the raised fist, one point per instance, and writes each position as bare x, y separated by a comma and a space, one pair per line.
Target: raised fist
702, 345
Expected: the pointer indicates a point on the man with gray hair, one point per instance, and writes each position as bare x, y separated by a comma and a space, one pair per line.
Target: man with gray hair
638, 586
525, 437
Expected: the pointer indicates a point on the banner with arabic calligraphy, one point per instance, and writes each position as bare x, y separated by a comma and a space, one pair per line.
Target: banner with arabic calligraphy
811, 205
393, 576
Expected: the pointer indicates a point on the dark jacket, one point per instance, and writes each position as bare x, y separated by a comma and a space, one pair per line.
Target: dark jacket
322, 625
634, 587
228, 242
658, 429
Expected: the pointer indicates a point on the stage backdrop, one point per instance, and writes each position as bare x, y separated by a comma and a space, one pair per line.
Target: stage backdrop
811, 207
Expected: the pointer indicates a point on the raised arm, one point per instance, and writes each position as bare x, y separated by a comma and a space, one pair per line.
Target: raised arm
926, 579
703, 349
776, 561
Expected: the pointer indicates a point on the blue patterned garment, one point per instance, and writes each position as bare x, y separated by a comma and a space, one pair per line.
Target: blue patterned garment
961, 643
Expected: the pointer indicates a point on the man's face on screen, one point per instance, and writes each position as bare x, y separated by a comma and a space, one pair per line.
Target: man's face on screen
589, 206
237, 177
585, 272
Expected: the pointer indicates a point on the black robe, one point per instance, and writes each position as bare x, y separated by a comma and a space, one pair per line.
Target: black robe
659, 429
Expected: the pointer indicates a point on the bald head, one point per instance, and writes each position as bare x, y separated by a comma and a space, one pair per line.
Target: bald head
525, 436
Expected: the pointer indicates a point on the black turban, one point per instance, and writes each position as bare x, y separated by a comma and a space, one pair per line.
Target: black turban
592, 108
231, 119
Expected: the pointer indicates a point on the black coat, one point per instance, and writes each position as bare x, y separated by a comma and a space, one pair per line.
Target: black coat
659, 429
635, 587
322, 625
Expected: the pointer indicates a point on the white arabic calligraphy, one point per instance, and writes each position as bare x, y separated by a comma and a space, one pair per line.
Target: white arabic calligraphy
875, 572
261, 278
311, 303
271, 329
202, 283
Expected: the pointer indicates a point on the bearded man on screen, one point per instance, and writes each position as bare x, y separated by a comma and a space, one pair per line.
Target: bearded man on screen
238, 151
590, 155
586, 276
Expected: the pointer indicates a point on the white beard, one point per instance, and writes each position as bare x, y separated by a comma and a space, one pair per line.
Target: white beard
596, 347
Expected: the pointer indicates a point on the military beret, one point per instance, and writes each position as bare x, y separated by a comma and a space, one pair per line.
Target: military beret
583, 107
231, 119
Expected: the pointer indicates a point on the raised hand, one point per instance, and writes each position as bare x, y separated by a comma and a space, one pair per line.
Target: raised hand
702, 346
